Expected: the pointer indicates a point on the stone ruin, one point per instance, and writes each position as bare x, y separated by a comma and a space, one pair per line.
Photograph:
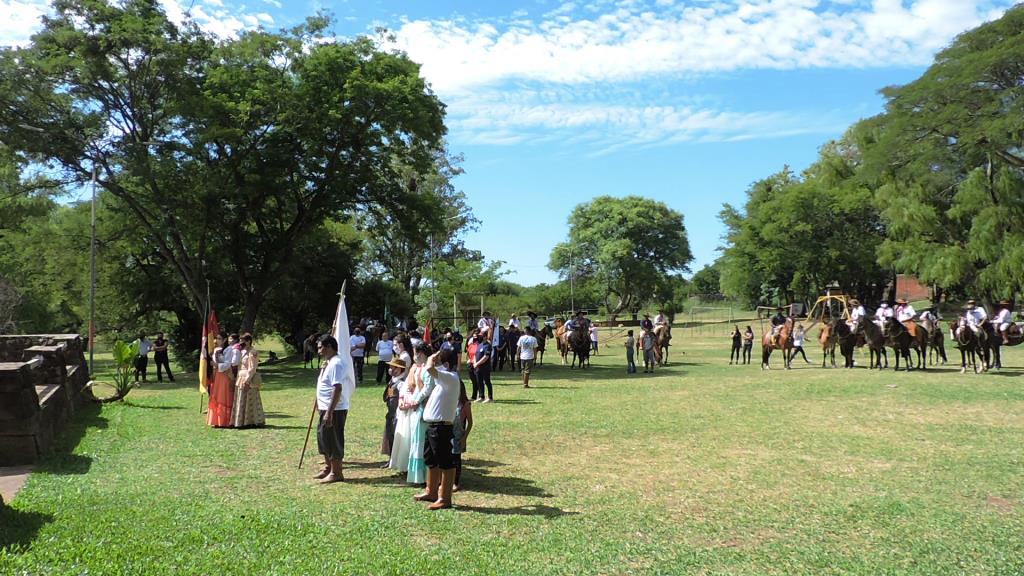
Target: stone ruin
41, 382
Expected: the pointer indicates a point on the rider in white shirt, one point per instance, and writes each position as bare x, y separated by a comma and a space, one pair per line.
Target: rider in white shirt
904, 311
882, 314
856, 313
1004, 319
975, 316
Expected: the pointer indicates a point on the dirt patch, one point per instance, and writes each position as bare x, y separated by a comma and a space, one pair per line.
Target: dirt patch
1002, 505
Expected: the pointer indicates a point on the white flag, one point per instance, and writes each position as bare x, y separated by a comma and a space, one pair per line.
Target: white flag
494, 329
344, 346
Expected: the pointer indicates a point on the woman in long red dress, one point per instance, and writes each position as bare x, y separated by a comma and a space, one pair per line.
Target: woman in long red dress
222, 390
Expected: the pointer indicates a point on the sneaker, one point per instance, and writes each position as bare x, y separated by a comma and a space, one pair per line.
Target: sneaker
489, 400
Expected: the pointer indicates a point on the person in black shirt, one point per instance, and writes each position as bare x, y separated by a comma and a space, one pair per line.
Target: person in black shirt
161, 358
737, 343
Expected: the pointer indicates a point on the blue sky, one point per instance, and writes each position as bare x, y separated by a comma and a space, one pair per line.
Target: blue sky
684, 101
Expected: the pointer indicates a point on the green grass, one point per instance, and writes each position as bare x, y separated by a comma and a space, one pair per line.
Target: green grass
701, 468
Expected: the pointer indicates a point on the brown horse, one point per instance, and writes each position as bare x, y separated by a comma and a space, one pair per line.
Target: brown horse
874, 339
785, 344
579, 341
542, 336
662, 336
560, 340
969, 345
936, 342
828, 340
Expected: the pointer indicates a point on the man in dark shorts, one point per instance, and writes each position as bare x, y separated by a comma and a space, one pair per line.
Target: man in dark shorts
333, 389
439, 415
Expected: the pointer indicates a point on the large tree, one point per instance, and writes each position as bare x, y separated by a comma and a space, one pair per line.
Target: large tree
947, 157
629, 245
226, 154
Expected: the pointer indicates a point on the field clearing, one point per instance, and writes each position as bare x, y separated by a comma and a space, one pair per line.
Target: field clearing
700, 468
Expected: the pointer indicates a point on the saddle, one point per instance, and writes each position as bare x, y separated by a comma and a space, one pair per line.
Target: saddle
911, 327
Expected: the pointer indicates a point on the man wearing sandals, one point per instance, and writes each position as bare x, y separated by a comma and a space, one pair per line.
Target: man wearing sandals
333, 390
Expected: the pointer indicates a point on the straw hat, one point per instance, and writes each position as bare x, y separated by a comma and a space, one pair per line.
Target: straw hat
901, 300
396, 363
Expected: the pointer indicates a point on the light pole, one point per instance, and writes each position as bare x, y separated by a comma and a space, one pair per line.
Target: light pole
572, 282
92, 274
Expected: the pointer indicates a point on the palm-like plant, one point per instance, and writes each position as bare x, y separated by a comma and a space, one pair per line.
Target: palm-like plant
124, 370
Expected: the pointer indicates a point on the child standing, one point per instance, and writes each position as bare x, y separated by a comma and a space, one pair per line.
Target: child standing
630, 345
649, 344
461, 426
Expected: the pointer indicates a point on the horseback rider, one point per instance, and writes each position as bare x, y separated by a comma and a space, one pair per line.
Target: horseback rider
856, 313
578, 322
1004, 319
661, 319
976, 316
646, 323
532, 322
778, 321
883, 313
905, 315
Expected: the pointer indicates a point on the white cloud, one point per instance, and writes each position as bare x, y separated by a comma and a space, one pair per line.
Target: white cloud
632, 40
19, 19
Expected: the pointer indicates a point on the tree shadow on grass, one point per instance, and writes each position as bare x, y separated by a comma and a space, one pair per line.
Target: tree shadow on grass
525, 510
18, 529
150, 407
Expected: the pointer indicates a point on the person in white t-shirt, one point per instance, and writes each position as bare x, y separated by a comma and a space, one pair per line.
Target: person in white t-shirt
385, 352
358, 346
527, 349
439, 415
142, 360
333, 391
1004, 319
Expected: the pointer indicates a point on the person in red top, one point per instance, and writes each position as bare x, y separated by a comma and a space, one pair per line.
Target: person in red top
471, 345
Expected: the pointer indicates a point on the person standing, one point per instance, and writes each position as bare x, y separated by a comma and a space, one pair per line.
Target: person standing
482, 366
392, 389
248, 410
385, 353
527, 351
461, 427
161, 358
439, 415
358, 347
737, 342
630, 358
471, 345
748, 344
649, 343
222, 390
333, 392
142, 359
593, 338
421, 391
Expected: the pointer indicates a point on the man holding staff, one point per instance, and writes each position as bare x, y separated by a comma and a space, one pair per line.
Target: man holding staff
332, 401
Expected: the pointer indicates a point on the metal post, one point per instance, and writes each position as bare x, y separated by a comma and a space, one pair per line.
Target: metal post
572, 281
455, 311
92, 282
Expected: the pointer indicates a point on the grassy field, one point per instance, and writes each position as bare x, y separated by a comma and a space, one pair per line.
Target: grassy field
700, 468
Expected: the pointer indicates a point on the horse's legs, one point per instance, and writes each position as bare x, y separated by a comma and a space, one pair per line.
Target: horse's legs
766, 353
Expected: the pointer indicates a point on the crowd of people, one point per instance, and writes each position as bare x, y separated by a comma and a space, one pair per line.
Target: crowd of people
234, 383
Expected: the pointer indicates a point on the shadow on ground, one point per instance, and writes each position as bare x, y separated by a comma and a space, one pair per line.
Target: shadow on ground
524, 510
18, 529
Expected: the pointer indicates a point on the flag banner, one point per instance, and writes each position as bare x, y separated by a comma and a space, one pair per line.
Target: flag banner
209, 342
494, 332
427, 331
341, 334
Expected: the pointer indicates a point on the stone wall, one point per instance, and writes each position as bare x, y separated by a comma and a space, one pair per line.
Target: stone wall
41, 380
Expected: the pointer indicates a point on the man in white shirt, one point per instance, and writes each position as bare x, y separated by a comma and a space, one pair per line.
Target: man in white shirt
661, 319
439, 415
486, 323
142, 360
1004, 319
526, 347
976, 316
385, 352
905, 315
856, 313
333, 391
882, 314
358, 345
514, 322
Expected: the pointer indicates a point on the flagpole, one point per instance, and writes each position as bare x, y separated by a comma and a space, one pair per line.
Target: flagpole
334, 326
206, 345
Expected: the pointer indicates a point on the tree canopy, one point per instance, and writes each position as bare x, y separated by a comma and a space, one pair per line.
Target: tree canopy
630, 246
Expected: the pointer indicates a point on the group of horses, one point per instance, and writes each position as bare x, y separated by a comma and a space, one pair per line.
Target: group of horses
980, 351
577, 341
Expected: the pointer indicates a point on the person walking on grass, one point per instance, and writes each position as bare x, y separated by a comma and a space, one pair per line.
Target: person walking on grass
798, 343
649, 344
630, 345
439, 415
737, 342
526, 348
748, 344
333, 391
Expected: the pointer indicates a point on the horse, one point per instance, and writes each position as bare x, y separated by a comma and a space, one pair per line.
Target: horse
563, 346
785, 344
900, 340
512, 335
579, 341
846, 340
545, 333
309, 352
828, 340
662, 337
936, 342
969, 344
874, 339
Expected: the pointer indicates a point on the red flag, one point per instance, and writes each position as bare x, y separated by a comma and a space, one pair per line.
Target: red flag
426, 332
210, 331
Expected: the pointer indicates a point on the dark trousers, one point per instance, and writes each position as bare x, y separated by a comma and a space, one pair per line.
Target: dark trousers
141, 364
162, 361
746, 353
630, 361
799, 349
734, 355
476, 383
483, 376
458, 468
390, 420
357, 363
382, 369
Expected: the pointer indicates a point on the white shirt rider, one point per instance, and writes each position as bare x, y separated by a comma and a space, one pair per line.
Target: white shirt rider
661, 319
976, 316
905, 312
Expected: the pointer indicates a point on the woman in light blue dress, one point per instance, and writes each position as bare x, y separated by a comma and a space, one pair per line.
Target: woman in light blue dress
417, 428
